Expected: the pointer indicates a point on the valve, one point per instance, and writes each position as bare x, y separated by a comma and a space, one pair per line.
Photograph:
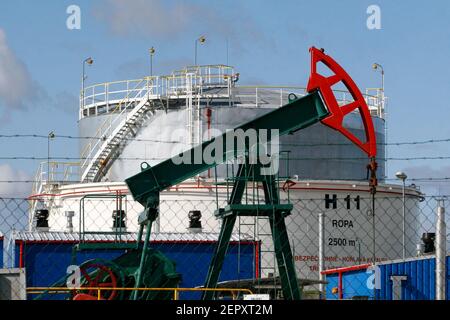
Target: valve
97, 275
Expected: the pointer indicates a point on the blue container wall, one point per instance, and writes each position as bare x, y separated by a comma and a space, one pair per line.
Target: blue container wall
333, 282
46, 263
354, 283
419, 285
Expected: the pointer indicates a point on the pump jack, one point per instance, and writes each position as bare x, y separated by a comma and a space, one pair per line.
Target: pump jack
319, 105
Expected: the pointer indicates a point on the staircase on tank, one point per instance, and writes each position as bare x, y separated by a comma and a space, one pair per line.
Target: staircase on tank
101, 151
111, 146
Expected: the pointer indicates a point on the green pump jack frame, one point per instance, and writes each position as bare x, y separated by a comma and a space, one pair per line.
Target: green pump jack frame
147, 185
272, 209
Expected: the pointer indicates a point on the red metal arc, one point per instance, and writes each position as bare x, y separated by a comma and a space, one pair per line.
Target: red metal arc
104, 278
338, 112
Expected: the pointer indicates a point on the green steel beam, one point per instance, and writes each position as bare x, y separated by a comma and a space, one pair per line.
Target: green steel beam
283, 253
251, 210
218, 257
285, 262
296, 115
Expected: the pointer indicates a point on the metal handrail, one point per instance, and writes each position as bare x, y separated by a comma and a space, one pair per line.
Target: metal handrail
99, 93
61, 175
69, 173
60, 290
175, 85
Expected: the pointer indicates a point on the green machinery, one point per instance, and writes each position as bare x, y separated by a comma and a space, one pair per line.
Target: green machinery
158, 272
139, 263
320, 105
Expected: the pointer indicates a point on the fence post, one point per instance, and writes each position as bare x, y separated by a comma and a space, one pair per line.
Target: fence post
321, 252
441, 236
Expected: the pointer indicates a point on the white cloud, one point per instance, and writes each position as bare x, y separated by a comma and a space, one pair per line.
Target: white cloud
16, 84
169, 20
13, 189
151, 17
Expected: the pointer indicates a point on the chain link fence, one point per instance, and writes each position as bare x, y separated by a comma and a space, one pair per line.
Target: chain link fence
335, 239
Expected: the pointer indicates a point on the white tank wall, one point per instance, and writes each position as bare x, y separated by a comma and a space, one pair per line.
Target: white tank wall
302, 224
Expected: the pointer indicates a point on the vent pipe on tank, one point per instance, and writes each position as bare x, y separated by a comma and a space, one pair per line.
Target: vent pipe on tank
419, 249
441, 250
69, 215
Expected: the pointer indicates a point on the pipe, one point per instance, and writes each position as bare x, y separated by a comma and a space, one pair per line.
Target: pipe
440, 251
69, 215
126, 191
257, 264
321, 252
21, 264
403, 220
208, 117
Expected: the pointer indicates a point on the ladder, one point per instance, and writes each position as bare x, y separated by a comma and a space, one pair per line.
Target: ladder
258, 228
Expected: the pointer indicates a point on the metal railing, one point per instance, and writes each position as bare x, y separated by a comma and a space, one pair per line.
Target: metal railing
376, 99
100, 98
105, 95
55, 172
176, 291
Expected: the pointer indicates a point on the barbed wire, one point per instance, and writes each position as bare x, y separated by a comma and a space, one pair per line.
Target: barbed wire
423, 179
420, 142
81, 138
282, 159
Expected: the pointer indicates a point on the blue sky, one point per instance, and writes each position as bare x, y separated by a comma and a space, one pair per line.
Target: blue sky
268, 44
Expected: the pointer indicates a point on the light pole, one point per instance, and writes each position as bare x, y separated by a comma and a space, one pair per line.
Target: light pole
382, 113
51, 135
88, 61
202, 40
152, 53
377, 66
402, 176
